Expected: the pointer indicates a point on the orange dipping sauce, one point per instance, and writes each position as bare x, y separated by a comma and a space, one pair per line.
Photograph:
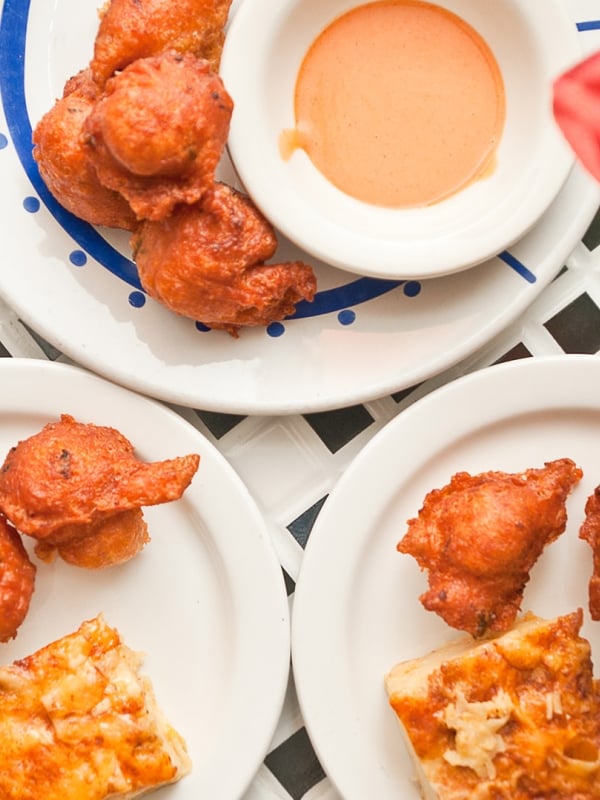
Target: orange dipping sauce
398, 103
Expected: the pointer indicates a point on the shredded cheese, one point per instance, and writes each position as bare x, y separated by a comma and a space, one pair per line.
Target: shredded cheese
553, 704
477, 725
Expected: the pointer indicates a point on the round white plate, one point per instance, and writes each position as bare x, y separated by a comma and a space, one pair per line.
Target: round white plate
205, 600
361, 338
356, 608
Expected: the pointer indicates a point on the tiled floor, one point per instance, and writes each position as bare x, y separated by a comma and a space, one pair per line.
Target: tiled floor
301, 458
318, 447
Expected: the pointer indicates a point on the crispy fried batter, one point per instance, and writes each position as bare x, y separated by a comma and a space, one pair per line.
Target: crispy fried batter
79, 488
157, 133
479, 536
132, 29
207, 262
63, 159
17, 580
590, 532
103, 543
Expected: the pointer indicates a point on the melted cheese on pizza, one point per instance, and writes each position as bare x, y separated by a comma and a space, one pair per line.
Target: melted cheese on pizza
77, 721
513, 717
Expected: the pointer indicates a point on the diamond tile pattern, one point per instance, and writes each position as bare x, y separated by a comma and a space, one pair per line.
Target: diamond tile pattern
307, 454
302, 458
577, 326
219, 424
295, 765
301, 527
337, 428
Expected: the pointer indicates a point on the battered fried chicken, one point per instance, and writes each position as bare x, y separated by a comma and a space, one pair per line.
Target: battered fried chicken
17, 579
479, 536
79, 488
158, 131
207, 262
132, 29
63, 159
104, 542
590, 532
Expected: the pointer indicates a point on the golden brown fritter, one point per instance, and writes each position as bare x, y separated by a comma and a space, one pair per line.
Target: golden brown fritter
17, 580
101, 543
480, 535
64, 164
590, 532
72, 481
158, 131
132, 29
207, 262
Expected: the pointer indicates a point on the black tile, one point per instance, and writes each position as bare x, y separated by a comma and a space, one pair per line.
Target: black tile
219, 424
563, 269
399, 396
592, 236
577, 327
337, 428
516, 352
290, 586
3, 351
295, 765
301, 527
51, 352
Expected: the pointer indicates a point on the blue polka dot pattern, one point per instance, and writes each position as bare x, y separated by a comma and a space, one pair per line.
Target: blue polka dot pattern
275, 330
202, 327
3, 141
346, 317
31, 204
412, 288
137, 299
78, 258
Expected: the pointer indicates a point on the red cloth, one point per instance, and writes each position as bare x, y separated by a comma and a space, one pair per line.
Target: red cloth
576, 106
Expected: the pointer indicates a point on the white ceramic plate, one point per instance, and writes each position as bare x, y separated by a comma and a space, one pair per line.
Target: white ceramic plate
205, 599
356, 608
362, 338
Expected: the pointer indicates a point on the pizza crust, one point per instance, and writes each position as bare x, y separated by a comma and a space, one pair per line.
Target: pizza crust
513, 717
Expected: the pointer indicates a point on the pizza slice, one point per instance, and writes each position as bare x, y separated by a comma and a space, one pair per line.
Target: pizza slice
514, 717
78, 721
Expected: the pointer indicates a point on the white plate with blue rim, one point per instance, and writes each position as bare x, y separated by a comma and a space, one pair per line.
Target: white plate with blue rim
204, 601
361, 338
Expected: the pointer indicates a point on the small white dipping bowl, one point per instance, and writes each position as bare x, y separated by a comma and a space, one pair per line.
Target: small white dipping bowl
533, 41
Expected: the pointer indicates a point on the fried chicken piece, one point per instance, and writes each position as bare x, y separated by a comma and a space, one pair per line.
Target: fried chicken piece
17, 580
590, 533
105, 542
480, 535
207, 262
158, 131
78, 489
132, 29
64, 164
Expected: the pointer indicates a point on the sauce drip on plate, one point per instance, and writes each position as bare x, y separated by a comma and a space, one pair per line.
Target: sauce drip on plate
399, 103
